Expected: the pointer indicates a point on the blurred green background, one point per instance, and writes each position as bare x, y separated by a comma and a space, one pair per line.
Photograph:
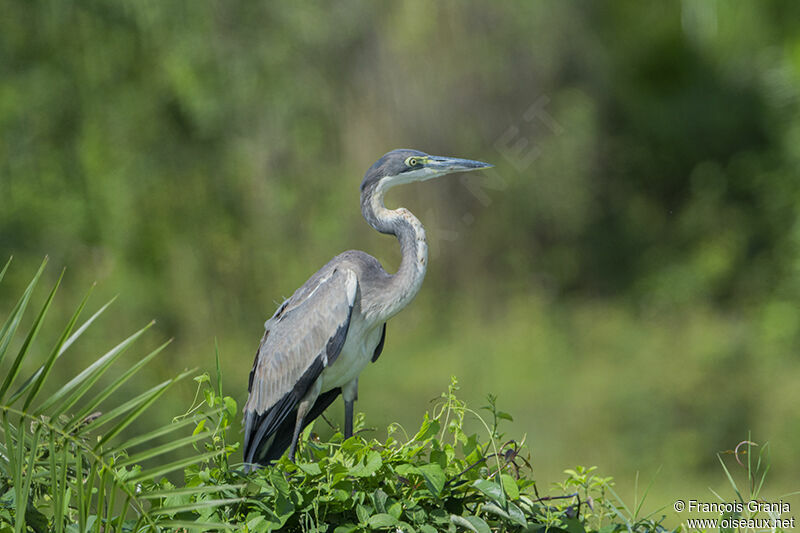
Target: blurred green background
626, 279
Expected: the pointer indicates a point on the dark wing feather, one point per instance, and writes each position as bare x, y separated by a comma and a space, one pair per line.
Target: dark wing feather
379, 347
301, 339
283, 435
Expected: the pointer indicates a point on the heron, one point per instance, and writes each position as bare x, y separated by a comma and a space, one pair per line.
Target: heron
320, 339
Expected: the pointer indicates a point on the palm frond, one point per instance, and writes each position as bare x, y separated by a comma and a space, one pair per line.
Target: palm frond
55, 445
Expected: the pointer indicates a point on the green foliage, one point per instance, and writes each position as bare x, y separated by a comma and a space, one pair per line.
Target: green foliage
439, 479
65, 465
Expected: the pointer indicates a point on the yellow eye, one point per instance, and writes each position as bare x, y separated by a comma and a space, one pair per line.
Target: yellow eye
412, 161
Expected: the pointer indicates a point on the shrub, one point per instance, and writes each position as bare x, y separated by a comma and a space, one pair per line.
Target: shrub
67, 466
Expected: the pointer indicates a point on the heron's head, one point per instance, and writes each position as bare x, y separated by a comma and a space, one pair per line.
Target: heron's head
405, 166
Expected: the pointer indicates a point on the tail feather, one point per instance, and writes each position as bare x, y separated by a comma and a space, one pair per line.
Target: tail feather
271, 449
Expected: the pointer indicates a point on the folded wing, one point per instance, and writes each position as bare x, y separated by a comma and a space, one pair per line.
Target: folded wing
304, 336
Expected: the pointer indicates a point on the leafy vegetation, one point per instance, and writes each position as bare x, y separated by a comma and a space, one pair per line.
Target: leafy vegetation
69, 464
66, 466
438, 479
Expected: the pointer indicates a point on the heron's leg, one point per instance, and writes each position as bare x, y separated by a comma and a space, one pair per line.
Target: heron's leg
302, 410
350, 394
348, 419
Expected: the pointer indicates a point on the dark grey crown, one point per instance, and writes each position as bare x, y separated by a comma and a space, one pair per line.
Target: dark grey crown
391, 164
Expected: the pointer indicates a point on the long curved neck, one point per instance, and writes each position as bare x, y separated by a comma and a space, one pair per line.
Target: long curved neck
406, 282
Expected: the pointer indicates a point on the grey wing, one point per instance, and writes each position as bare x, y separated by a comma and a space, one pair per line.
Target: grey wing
301, 339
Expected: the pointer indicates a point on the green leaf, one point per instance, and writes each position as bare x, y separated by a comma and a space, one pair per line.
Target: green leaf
201, 426
466, 523
573, 525
312, 469
516, 514
192, 491
61, 400
35, 520
372, 462
165, 448
194, 506
160, 470
396, 509
34, 331
362, 513
11, 324
510, 486
159, 432
175, 525
382, 520
219, 368
72, 338
256, 523
379, 500
434, 478
407, 469
230, 405
97, 399
339, 495
495, 510
124, 408
491, 489
439, 457
23, 491
3, 272
439, 516
428, 429
284, 508
279, 482
144, 401
477, 523
44, 370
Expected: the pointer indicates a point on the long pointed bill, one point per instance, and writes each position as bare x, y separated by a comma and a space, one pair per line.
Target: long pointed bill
446, 165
